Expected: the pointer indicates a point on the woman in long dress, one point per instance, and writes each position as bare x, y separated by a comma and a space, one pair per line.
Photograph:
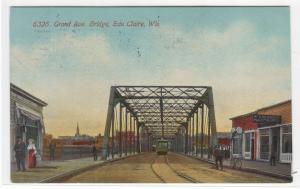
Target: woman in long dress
31, 154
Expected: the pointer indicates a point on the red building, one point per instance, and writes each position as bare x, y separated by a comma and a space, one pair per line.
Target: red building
224, 138
248, 125
264, 131
224, 141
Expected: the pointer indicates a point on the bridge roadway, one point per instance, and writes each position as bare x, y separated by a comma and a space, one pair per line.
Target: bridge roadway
172, 168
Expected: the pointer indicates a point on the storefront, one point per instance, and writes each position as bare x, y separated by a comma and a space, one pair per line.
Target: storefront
276, 139
26, 118
264, 132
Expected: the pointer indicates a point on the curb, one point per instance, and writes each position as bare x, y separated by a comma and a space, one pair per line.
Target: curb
246, 169
71, 173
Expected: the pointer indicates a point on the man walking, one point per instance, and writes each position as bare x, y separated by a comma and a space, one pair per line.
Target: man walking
218, 157
94, 151
20, 151
52, 150
272, 157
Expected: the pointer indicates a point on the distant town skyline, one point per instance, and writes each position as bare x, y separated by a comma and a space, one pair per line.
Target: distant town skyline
77, 132
242, 52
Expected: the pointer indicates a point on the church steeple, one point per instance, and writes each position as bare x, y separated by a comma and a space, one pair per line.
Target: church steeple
77, 130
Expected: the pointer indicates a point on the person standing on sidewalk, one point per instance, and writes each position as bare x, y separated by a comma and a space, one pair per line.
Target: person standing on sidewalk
19, 149
221, 157
52, 150
273, 157
94, 151
31, 154
218, 157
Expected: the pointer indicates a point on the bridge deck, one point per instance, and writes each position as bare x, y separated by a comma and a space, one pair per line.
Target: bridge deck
174, 168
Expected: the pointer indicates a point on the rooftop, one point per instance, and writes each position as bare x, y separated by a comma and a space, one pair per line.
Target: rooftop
264, 108
27, 95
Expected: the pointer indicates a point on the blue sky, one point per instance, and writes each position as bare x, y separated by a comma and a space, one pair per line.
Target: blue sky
242, 52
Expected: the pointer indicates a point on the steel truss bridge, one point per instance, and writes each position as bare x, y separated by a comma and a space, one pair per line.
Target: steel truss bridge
137, 116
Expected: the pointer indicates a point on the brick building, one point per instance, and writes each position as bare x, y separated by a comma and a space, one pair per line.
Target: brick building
224, 138
264, 131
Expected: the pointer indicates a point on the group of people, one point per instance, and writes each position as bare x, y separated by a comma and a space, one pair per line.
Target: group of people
20, 154
220, 152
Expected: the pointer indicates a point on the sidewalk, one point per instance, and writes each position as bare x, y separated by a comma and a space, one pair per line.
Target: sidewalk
282, 170
46, 171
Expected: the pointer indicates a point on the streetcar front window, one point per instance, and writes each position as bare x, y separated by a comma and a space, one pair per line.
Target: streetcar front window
163, 145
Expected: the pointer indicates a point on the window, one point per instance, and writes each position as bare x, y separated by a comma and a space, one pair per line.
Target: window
163, 145
264, 143
237, 144
247, 142
287, 139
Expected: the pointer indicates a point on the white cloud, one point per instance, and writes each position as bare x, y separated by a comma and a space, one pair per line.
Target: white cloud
26, 59
245, 71
90, 49
71, 95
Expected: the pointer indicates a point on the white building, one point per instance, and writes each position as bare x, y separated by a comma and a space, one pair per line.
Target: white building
26, 118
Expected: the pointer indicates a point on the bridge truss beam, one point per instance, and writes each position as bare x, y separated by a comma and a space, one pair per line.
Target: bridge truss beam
154, 112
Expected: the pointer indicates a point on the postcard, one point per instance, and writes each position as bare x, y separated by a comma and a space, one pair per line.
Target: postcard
150, 94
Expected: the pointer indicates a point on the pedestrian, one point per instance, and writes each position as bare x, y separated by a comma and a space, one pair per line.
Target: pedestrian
273, 158
52, 150
31, 154
94, 151
218, 157
222, 155
19, 149
216, 154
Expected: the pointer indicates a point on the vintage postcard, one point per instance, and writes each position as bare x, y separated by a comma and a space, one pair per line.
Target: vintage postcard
161, 94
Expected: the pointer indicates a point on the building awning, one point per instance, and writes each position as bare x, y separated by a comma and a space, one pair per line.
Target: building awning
30, 115
277, 125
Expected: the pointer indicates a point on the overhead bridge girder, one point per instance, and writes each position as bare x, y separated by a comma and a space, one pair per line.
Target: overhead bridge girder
157, 111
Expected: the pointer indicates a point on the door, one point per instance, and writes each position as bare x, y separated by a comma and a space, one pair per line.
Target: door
252, 148
275, 142
32, 133
274, 146
248, 146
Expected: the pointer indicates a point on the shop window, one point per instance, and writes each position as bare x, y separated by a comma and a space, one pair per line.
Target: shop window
31, 128
32, 133
237, 144
264, 143
287, 139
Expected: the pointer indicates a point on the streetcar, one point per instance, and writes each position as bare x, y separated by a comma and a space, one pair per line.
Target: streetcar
162, 147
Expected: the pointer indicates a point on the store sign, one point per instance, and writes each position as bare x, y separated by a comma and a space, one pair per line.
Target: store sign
266, 120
